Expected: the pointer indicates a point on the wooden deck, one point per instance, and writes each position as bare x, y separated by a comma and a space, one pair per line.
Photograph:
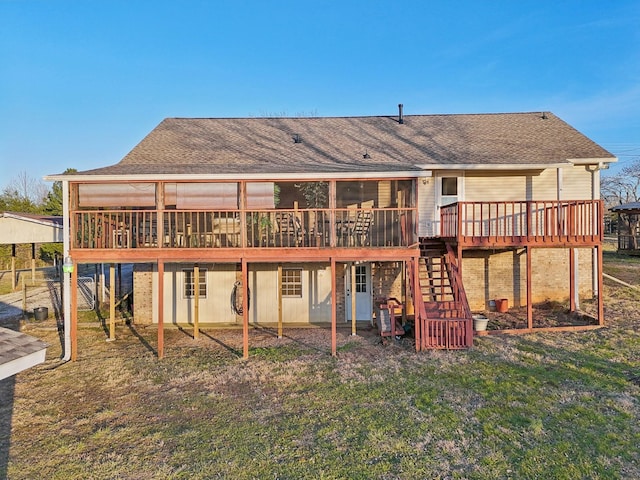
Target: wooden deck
565, 223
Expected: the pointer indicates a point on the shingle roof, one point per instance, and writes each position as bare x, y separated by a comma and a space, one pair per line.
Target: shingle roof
627, 207
17, 352
337, 144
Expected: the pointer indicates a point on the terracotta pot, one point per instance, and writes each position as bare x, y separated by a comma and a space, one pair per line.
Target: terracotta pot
502, 304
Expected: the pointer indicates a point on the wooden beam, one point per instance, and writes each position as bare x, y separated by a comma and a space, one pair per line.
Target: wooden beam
13, 266
160, 309
417, 314
529, 288
334, 313
196, 301
74, 313
353, 298
33, 263
235, 255
279, 300
245, 309
112, 302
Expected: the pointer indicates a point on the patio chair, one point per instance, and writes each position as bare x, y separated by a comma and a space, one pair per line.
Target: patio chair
290, 232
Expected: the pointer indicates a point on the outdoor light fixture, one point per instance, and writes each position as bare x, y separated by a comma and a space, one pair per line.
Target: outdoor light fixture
67, 266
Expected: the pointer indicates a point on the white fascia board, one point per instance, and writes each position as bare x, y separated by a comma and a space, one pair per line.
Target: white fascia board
592, 161
32, 220
22, 363
237, 177
495, 166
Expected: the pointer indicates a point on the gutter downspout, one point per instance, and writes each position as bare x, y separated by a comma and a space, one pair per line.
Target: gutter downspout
66, 285
595, 195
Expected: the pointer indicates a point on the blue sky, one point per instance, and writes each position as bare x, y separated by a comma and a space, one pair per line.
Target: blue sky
82, 82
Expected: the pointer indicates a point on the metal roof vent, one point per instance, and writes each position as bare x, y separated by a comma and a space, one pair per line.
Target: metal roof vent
366, 155
400, 115
297, 138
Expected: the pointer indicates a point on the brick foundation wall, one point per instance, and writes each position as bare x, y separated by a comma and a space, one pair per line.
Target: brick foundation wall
489, 274
143, 295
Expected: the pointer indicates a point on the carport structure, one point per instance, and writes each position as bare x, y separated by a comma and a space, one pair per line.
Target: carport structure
628, 226
21, 228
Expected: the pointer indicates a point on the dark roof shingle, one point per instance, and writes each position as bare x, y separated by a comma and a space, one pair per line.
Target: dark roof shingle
337, 144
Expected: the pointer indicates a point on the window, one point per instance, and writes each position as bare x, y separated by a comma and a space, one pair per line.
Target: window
292, 282
361, 279
450, 186
190, 284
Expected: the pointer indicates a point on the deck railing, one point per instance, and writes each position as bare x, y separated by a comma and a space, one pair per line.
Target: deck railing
324, 228
628, 242
531, 222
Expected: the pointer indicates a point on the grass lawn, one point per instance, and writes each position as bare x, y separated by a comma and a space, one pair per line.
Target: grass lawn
544, 406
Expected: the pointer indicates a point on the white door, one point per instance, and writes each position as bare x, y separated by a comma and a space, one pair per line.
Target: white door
449, 189
362, 294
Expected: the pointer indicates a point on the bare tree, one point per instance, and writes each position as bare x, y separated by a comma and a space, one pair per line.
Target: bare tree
28, 188
621, 189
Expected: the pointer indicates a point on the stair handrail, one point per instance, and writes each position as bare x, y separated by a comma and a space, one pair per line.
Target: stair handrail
420, 309
460, 295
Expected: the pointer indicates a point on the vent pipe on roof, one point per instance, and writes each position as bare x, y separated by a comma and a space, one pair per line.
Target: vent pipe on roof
400, 115
297, 138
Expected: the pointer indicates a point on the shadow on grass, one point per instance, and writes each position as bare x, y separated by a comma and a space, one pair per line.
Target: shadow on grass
7, 391
141, 339
229, 348
274, 333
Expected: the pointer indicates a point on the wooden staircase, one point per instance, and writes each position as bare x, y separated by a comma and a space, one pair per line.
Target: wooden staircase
443, 317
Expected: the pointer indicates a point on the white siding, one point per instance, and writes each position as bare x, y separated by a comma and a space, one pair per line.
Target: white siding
576, 183
215, 308
314, 305
545, 185
426, 207
495, 186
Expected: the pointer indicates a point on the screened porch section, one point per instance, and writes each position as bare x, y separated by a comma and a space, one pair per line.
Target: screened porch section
244, 215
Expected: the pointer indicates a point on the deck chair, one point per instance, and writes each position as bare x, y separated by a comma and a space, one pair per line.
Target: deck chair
361, 227
290, 231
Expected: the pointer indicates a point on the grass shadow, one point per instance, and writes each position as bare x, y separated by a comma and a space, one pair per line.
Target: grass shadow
141, 339
274, 333
229, 348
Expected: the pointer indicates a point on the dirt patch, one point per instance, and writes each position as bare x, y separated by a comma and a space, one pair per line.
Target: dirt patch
545, 315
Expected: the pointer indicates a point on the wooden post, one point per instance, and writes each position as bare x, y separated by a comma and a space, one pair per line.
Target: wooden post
332, 213
245, 309
279, 300
572, 280
112, 302
529, 296
196, 302
334, 313
353, 298
33, 263
74, 313
417, 311
600, 287
24, 299
13, 266
160, 309
119, 280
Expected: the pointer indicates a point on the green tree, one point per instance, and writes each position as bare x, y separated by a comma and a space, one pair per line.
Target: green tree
53, 202
12, 201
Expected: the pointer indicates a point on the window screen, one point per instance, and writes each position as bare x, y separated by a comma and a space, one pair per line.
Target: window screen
190, 284
292, 282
